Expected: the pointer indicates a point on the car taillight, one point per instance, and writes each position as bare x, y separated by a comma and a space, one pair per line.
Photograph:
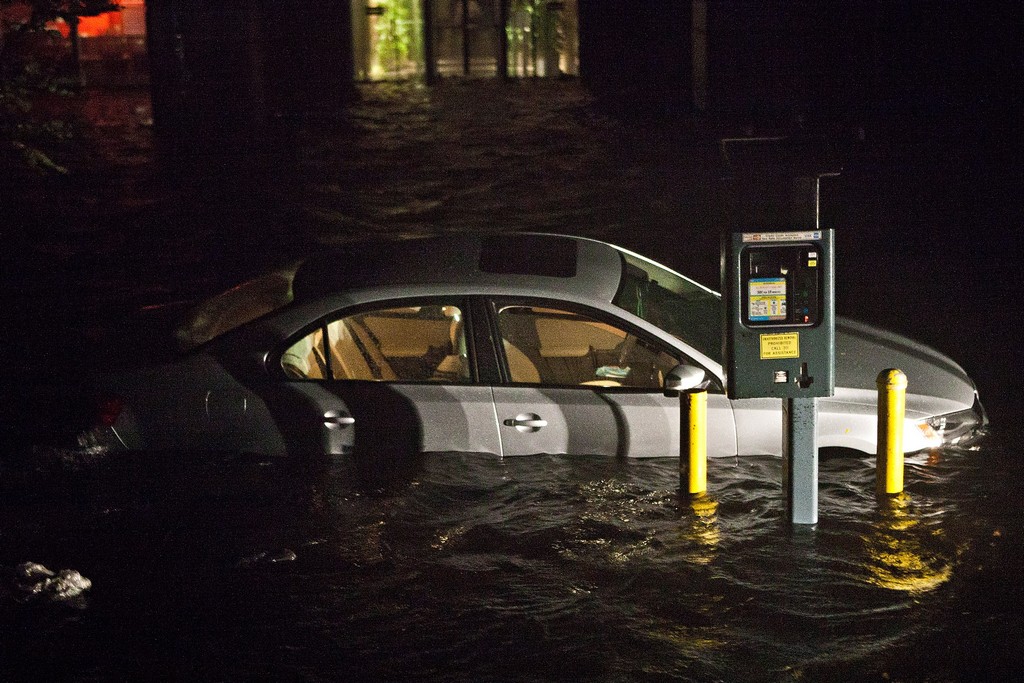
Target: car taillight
108, 409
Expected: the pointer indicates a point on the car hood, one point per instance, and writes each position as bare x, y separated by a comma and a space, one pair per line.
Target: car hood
863, 351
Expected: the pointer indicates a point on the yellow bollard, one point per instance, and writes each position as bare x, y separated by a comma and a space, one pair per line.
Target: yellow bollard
693, 436
892, 398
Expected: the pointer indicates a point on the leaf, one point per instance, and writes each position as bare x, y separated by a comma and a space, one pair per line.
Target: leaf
40, 161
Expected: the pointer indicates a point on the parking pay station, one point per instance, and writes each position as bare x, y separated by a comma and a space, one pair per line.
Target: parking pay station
781, 323
779, 332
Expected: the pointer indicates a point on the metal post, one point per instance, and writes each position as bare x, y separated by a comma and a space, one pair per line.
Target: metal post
892, 397
76, 51
552, 17
503, 12
693, 441
429, 73
800, 414
465, 38
800, 453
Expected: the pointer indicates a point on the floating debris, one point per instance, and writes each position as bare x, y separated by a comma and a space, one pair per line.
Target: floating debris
267, 557
32, 580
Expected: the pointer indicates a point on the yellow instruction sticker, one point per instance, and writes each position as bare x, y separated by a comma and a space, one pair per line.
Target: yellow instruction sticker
782, 345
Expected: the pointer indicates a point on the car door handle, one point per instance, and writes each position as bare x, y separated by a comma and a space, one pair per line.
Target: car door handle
333, 418
536, 424
526, 422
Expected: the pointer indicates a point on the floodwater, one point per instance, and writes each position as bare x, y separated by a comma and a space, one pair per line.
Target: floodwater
468, 567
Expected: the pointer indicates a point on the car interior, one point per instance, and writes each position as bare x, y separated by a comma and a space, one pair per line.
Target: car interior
562, 348
416, 343
427, 344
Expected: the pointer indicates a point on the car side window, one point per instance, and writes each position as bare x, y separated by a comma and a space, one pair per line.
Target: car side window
305, 358
406, 343
558, 347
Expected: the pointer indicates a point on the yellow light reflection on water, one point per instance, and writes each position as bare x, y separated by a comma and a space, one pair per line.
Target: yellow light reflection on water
897, 560
704, 529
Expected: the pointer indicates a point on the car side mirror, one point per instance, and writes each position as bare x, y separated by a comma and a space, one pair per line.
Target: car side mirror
684, 377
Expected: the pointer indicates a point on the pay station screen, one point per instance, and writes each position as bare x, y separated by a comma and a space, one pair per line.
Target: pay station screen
781, 285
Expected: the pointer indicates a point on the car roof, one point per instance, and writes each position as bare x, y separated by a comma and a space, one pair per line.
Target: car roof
536, 264
556, 264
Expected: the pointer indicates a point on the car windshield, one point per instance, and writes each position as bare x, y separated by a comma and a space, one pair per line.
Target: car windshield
674, 303
235, 307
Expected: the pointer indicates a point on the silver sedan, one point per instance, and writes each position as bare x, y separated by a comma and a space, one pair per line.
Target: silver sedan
510, 344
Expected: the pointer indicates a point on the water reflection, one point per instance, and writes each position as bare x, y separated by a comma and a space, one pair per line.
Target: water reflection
901, 555
700, 517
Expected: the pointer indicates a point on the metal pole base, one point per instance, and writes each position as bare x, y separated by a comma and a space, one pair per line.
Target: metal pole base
800, 464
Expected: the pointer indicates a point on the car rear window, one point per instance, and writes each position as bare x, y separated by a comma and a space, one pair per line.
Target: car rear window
235, 307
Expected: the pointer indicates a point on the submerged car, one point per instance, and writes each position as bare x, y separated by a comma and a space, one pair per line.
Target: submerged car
510, 344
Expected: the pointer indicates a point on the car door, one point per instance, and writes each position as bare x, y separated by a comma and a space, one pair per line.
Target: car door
390, 377
581, 382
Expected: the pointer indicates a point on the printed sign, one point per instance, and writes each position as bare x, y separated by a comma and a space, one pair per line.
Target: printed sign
794, 236
767, 299
782, 345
